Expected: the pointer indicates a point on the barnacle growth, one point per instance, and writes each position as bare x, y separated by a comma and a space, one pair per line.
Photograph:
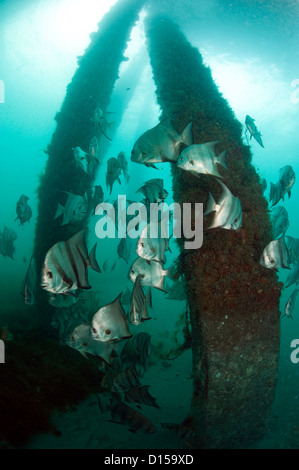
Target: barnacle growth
233, 300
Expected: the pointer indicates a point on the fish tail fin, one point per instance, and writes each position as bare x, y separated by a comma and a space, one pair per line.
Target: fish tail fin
222, 159
171, 272
59, 211
92, 258
187, 136
211, 205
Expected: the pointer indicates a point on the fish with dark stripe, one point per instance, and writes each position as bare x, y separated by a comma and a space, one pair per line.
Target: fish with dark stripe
139, 302
140, 396
276, 254
66, 263
136, 421
228, 211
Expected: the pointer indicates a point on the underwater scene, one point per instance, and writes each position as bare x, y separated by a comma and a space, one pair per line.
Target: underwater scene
149, 233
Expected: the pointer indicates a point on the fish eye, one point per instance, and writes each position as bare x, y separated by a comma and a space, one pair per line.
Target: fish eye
108, 332
132, 271
142, 244
192, 162
94, 330
143, 276
50, 274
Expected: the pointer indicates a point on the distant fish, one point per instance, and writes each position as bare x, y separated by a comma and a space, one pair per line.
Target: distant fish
113, 172
152, 273
252, 129
110, 322
276, 254
160, 144
177, 291
151, 248
153, 190
80, 158
283, 186
123, 165
7, 239
293, 277
126, 247
264, 184
136, 421
140, 396
202, 159
97, 197
81, 340
105, 126
92, 157
293, 247
29, 283
74, 211
228, 210
126, 379
24, 211
65, 265
137, 351
139, 303
291, 303
279, 221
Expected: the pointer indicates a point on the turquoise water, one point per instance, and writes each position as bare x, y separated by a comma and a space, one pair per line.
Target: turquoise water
252, 49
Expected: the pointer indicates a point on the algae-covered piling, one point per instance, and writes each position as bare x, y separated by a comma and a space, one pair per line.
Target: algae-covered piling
91, 87
234, 301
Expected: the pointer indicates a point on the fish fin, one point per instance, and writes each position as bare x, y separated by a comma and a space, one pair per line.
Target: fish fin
83, 354
171, 272
59, 211
289, 193
105, 135
187, 136
222, 159
79, 241
148, 298
92, 259
151, 165
211, 205
118, 179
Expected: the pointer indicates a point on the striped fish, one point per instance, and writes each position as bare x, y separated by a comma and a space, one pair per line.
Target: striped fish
124, 414
126, 379
293, 277
140, 396
228, 210
291, 303
137, 351
139, 302
276, 254
110, 322
202, 159
293, 247
65, 265
283, 186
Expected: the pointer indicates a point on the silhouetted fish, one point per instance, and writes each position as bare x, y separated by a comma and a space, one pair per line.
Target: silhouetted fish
251, 127
124, 414
24, 212
140, 396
